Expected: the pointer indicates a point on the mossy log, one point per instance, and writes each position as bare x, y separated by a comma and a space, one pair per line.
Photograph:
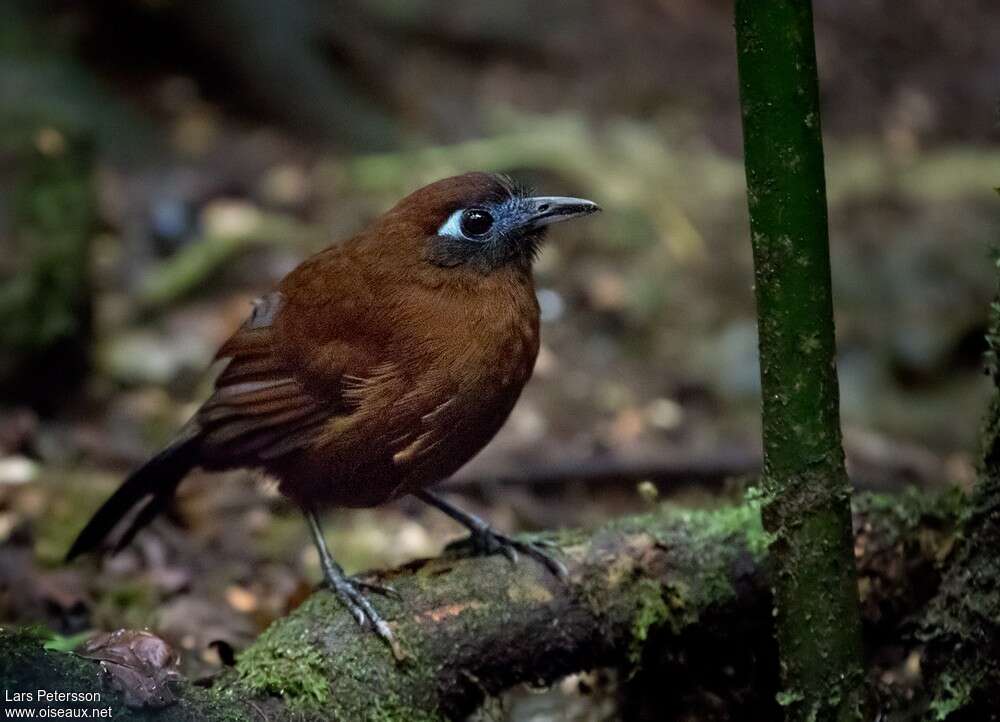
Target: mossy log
473, 627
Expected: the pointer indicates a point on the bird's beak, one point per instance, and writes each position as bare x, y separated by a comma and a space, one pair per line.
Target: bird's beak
542, 211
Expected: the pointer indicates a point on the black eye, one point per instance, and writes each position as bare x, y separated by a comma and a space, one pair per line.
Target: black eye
476, 222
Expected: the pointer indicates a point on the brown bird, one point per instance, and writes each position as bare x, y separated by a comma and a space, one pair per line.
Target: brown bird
376, 369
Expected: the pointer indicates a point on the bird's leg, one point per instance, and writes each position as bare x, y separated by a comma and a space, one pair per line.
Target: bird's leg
350, 590
486, 540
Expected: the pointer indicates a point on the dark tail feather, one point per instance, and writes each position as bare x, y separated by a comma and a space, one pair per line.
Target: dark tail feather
152, 485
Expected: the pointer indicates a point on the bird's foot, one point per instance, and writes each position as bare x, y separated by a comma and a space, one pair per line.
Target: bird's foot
384, 590
485, 541
351, 593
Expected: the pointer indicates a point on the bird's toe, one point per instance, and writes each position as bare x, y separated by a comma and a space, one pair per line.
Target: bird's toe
489, 542
542, 552
385, 590
351, 595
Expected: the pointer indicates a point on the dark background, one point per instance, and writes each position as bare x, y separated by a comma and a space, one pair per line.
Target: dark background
161, 163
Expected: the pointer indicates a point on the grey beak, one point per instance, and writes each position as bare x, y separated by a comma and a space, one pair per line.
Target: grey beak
542, 211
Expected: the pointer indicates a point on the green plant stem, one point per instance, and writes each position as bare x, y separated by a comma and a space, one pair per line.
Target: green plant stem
807, 495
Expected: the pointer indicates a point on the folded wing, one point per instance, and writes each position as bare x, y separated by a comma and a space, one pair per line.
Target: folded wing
260, 409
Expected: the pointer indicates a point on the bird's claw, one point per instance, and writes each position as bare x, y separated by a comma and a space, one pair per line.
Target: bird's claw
546, 544
487, 541
384, 590
350, 593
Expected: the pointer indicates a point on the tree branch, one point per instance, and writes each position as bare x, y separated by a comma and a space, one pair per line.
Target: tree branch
475, 627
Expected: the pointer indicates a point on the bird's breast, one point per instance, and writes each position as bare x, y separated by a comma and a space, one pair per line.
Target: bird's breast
481, 354
439, 397
500, 340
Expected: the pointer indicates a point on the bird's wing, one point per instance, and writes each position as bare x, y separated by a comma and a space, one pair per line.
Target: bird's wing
260, 408
288, 366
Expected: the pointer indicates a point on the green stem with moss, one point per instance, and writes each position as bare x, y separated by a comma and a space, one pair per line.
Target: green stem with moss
807, 506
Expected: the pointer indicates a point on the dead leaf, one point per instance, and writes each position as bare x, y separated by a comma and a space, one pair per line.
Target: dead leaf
138, 664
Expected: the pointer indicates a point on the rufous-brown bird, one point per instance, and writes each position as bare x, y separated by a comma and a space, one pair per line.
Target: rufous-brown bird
376, 369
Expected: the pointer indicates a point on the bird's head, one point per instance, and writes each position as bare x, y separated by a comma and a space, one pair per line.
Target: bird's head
482, 221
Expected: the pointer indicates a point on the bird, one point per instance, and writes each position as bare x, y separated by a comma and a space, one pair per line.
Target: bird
372, 371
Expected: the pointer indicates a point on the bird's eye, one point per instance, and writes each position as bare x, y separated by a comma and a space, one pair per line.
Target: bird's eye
476, 222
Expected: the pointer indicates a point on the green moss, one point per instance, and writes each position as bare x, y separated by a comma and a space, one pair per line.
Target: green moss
787, 698
354, 679
285, 661
740, 521
652, 612
218, 705
953, 695
390, 709
912, 508
736, 521
713, 542
702, 545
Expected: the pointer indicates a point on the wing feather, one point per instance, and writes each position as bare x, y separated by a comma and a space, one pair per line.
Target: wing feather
311, 352
259, 409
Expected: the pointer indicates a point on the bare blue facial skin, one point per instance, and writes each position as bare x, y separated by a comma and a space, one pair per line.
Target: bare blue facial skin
495, 233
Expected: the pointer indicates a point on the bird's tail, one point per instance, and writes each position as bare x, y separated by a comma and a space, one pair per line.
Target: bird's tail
152, 486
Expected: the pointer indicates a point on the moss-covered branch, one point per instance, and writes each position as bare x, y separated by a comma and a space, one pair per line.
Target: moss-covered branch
474, 627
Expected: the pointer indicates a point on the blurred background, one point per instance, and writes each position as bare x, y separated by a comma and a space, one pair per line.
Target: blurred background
162, 163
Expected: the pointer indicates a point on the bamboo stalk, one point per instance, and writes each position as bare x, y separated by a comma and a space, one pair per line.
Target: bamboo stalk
807, 494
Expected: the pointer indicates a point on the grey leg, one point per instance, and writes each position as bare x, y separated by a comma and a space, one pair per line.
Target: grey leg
350, 590
485, 540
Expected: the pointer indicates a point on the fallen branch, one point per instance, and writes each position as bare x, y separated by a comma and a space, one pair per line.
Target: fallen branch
875, 463
670, 470
475, 627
